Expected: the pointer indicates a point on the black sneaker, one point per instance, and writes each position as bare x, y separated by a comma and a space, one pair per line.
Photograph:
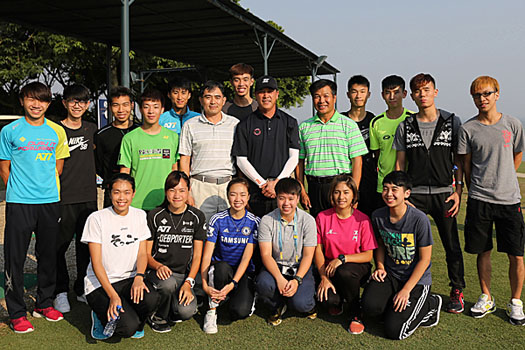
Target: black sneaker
159, 326
456, 304
432, 318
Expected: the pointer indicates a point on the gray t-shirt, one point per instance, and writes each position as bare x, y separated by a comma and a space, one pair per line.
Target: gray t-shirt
427, 131
493, 178
306, 230
402, 242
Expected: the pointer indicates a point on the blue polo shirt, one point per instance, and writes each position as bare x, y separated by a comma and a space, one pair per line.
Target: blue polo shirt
172, 120
33, 151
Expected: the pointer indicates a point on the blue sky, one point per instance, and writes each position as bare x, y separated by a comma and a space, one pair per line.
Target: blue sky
455, 41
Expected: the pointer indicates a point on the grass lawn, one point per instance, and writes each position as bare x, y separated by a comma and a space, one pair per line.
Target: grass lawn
453, 332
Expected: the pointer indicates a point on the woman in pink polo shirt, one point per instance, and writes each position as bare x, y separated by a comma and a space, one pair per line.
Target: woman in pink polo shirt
345, 241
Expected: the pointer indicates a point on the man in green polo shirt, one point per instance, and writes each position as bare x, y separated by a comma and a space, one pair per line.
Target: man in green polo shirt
149, 153
383, 128
331, 144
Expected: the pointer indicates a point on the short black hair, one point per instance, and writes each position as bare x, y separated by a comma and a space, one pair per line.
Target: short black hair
321, 83
151, 95
393, 81
179, 82
122, 177
118, 92
358, 80
76, 92
211, 85
288, 185
398, 178
36, 90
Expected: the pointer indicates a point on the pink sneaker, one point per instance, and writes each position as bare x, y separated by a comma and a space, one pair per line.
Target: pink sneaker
21, 325
50, 313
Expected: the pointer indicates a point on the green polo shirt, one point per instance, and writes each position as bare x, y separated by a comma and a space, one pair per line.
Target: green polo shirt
382, 133
329, 147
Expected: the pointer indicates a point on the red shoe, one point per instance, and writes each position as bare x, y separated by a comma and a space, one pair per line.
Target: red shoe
356, 326
21, 325
50, 314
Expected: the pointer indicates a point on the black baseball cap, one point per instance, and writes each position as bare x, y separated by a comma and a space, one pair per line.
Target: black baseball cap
264, 82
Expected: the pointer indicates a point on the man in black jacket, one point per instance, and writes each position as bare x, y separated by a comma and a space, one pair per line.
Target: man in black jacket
426, 145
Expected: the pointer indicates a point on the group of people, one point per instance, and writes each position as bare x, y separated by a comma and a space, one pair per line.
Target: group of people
203, 205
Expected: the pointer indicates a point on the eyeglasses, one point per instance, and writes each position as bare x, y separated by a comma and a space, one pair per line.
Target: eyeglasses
74, 102
484, 94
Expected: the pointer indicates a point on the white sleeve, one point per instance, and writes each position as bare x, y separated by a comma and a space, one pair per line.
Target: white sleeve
248, 170
291, 163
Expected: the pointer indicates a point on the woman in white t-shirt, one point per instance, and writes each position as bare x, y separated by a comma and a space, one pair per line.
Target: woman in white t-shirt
115, 276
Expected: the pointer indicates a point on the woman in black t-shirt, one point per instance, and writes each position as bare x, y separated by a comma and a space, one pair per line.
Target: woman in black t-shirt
178, 231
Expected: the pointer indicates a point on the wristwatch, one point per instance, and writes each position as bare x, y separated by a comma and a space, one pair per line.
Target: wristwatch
191, 281
342, 257
298, 279
459, 183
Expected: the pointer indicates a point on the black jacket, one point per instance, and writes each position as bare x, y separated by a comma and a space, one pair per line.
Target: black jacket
432, 166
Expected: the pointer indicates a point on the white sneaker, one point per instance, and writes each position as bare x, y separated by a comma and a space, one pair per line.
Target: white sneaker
515, 312
61, 303
82, 299
210, 322
483, 306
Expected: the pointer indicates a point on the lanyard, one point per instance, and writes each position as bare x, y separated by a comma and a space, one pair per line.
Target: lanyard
295, 237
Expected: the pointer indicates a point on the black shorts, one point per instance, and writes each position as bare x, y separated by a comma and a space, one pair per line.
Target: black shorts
510, 229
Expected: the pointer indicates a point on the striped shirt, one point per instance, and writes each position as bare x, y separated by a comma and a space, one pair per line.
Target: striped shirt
329, 147
209, 145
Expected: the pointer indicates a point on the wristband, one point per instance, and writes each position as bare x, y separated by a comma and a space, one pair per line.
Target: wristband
235, 284
459, 183
190, 281
140, 275
298, 279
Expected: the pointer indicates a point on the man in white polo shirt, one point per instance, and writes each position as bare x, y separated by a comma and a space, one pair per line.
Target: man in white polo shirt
206, 143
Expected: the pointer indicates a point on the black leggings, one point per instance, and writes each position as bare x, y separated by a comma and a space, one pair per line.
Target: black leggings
348, 279
241, 298
134, 316
377, 300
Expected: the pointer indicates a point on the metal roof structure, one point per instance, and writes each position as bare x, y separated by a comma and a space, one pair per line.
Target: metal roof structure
209, 34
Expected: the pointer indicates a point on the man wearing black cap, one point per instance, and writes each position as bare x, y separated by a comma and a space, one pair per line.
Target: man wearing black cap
266, 146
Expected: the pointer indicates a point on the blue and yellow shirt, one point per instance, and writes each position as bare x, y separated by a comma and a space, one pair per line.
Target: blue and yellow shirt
33, 151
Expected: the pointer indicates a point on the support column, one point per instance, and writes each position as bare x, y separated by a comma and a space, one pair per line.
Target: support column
124, 43
108, 80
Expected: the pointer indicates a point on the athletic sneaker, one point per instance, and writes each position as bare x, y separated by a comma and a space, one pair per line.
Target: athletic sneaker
210, 322
432, 318
483, 306
456, 304
356, 326
97, 329
21, 325
159, 325
61, 303
515, 312
82, 299
277, 318
312, 314
49, 313
138, 334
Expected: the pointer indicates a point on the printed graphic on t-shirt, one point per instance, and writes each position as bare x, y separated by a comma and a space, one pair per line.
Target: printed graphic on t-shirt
78, 142
399, 246
507, 137
123, 238
155, 153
